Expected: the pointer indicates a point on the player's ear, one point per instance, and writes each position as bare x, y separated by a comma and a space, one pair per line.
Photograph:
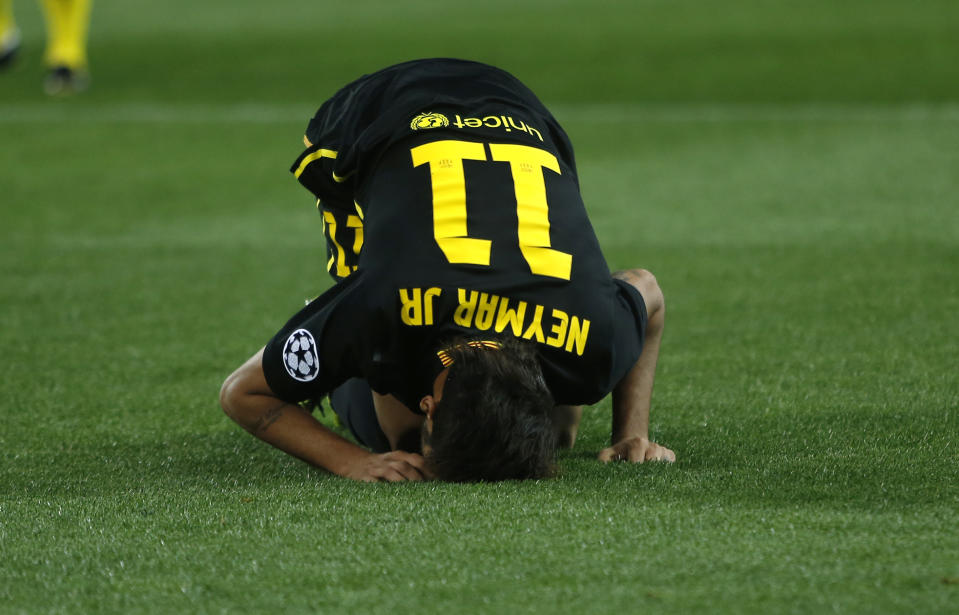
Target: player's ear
428, 406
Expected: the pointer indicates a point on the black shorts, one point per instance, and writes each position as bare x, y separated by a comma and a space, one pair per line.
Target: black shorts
352, 402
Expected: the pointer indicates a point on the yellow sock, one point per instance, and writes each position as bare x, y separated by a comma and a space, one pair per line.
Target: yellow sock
7, 24
67, 24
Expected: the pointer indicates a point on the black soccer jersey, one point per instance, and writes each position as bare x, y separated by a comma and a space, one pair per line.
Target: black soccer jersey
452, 207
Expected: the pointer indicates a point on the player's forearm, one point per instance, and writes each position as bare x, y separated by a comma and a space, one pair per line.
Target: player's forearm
631, 402
632, 397
294, 431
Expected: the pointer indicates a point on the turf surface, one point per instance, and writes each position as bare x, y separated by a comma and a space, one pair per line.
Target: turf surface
789, 173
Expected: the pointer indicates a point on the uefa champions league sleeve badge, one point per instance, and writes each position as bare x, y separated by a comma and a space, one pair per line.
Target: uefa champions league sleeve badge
300, 357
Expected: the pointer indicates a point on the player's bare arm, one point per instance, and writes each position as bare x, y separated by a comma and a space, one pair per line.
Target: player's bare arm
633, 395
247, 399
568, 419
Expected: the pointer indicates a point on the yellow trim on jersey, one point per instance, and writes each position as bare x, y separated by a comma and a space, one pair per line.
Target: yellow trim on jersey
320, 153
306, 141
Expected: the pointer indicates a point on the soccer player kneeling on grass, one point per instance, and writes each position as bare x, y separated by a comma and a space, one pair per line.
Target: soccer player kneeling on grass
474, 313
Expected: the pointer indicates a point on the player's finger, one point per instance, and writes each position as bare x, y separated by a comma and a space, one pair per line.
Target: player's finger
426, 471
608, 454
392, 475
405, 469
660, 453
637, 452
415, 461
408, 471
419, 462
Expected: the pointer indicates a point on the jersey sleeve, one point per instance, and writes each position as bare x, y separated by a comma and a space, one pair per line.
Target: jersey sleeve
315, 169
327, 164
629, 320
318, 348
328, 138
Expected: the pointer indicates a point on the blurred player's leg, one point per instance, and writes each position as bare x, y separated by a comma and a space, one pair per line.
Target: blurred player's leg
66, 56
352, 401
9, 34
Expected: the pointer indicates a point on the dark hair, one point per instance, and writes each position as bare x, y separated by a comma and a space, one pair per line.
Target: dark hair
494, 418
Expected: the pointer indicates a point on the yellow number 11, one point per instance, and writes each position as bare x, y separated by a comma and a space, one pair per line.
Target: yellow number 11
445, 159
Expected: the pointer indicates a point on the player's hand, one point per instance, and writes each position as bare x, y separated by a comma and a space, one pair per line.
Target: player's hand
636, 450
395, 466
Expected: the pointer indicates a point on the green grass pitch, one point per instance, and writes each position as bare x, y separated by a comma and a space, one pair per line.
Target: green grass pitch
789, 171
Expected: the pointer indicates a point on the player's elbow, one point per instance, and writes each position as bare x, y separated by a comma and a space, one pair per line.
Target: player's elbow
232, 395
245, 395
645, 282
652, 293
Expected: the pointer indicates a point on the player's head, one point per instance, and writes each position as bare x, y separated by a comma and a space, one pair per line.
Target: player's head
492, 419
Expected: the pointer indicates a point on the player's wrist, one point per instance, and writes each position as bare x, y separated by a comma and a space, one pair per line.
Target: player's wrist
616, 438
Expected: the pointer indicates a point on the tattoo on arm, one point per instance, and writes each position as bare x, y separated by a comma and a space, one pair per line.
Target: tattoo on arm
268, 419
